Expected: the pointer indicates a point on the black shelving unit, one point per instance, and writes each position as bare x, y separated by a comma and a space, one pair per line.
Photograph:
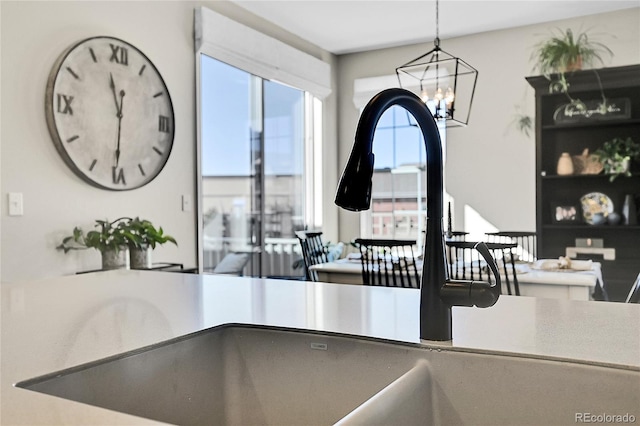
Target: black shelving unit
554, 138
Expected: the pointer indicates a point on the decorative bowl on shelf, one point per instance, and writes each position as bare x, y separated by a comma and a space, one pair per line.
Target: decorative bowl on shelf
596, 207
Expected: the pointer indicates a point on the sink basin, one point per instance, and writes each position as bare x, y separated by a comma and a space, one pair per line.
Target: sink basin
241, 375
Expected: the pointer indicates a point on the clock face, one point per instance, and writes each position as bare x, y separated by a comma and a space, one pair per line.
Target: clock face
109, 113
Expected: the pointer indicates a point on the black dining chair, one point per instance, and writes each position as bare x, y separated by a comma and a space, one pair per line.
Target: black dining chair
456, 235
466, 263
634, 292
527, 250
314, 251
388, 263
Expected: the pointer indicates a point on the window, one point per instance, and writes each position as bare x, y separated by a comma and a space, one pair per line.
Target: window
259, 116
398, 195
254, 147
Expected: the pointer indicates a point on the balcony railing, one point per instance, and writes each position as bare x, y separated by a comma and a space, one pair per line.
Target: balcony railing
278, 256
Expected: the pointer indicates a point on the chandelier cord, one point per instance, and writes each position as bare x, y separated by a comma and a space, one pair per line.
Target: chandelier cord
436, 42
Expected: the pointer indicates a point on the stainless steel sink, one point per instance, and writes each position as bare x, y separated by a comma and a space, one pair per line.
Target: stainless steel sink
242, 375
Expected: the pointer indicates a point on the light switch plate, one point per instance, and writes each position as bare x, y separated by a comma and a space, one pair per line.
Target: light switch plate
186, 203
15, 204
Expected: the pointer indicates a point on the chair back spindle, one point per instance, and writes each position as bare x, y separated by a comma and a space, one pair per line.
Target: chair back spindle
466, 263
526, 251
389, 263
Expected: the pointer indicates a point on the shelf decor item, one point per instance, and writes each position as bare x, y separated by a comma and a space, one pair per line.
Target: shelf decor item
616, 156
586, 164
596, 207
593, 109
109, 239
564, 213
629, 210
614, 218
565, 164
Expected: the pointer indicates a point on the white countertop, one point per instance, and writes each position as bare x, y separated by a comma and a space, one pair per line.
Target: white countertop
53, 324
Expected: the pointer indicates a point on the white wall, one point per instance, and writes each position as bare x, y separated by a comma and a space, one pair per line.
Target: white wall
490, 165
33, 34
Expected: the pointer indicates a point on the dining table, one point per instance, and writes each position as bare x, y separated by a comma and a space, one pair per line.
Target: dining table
555, 283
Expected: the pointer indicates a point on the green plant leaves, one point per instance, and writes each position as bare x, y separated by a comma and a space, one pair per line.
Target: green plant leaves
615, 155
134, 233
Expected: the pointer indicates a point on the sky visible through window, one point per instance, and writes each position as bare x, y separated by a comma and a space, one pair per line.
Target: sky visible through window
226, 123
397, 140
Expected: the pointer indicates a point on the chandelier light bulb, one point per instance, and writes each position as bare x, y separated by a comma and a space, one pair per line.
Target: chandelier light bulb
449, 96
424, 95
438, 96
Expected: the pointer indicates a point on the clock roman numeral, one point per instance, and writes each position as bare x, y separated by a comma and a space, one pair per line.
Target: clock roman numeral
93, 164
141, 170
119, 55
158, 94
157, 150
163, 124
118, 175
64, 104
73, 138
93, 55
73, 73
141, 70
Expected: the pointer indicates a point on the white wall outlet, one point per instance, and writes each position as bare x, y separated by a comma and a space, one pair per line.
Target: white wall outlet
186, 203
15, 204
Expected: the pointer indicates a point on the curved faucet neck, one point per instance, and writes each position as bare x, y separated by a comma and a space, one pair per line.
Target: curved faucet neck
435, 315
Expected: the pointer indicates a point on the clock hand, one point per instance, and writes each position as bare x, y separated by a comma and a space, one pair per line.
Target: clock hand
112, 85
119, 115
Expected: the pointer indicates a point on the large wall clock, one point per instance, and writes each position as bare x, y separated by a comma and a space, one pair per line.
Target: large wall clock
109, 113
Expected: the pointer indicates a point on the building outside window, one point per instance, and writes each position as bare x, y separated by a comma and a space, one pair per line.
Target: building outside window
398, 195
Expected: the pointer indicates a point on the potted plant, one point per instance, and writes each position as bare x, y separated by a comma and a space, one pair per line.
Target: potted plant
616, 156
142, 237
565, 52
109, 239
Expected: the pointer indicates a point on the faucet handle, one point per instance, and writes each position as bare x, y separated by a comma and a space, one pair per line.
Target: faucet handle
482, 248
474, 293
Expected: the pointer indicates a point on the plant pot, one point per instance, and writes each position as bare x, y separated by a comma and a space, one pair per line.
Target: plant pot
575, 65
140, 258
618, 167
112, 259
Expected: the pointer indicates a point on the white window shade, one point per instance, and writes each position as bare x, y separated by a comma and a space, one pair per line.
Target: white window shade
366, 88
250, 50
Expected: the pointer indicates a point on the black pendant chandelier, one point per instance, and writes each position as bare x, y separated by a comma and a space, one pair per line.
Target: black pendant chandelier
445, 83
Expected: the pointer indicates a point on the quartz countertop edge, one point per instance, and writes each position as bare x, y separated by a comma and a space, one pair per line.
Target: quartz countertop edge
56, 323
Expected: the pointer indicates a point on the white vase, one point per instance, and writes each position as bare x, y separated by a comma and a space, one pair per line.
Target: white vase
565, 164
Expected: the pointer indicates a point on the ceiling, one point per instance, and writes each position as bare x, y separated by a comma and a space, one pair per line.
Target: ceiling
358, 25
